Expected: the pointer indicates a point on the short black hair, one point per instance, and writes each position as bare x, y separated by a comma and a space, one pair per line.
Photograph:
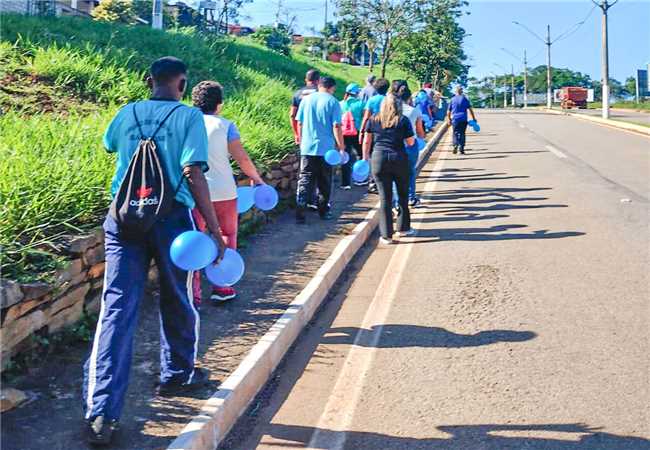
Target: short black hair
167, 68
207, 95
327, 82
382, 86
312, 75
400, 88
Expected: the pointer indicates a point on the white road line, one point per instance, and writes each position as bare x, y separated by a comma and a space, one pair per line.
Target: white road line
521, 125
555, 151
338, 413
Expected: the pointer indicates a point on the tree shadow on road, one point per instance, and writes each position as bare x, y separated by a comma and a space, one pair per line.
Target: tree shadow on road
463, 437
403, 335
494, 233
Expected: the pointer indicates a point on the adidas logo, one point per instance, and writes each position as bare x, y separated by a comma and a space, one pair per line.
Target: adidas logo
144, 202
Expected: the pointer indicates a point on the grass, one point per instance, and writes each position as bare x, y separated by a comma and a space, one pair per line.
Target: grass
62, 81
642, 106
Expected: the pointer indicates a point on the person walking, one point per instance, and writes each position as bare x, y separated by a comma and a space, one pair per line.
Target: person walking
457, 116
388, 132
174, 136
368, 90
371, 109
400, 89
223, 142
319, 119
352, 116
311, 85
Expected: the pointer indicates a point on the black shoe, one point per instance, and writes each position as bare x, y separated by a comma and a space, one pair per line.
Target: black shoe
373, 190
300, 216
462, 151
99, 431
200, 378
327, 216
413, 202
455, 149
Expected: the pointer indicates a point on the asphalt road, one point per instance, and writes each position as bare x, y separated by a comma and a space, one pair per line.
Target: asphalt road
516, 318
626, 115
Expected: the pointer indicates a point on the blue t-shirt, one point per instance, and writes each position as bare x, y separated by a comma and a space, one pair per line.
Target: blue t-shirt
458, 106
318, 113
182, 140
374, 104
423, 103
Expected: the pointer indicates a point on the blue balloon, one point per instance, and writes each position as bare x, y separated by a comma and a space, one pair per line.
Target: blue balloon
345, 159
421, 143
229, 271
333, 157
475, 126
245, 198
193, 250
266, 197
361, 169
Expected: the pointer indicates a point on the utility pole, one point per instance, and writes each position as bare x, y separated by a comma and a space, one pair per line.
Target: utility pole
549, 76
325, 35
525, 80
604, 5
156, 15
512, 84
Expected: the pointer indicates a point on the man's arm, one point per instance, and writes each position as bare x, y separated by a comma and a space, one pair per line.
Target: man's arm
293, 110
367, 144
471, 111
364, 121
201, 193
338, 136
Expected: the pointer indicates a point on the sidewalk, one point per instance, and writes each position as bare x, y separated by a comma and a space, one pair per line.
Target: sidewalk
280, 260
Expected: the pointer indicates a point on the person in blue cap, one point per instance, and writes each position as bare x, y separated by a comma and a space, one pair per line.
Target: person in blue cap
457, 117
352, 116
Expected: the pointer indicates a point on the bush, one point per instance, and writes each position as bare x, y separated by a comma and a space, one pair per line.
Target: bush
277, 39
115, 11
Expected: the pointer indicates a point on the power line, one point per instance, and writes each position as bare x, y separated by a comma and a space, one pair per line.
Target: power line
575, 27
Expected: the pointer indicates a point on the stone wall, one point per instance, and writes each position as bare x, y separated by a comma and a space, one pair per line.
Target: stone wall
30, 308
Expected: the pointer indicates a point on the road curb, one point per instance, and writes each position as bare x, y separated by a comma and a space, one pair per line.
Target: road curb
630, 127
220, 412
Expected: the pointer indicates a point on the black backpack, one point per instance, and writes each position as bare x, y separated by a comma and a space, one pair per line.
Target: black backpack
145, 194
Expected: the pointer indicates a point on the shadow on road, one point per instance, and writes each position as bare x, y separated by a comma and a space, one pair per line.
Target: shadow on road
484, 437
402, 336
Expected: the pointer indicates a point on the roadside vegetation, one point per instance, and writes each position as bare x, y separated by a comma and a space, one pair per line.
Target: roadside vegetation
62, 81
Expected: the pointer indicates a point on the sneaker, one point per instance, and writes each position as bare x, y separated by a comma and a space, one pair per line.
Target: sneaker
462, 151
99, 430
327, 216
396, 211
200, 378
361, 183
346, 188
386, 241
415, 201
222, 294
373, 190
312, 206
408, 233
455, 150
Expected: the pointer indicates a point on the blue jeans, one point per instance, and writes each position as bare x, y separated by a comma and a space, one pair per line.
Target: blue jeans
460, 126
106, 372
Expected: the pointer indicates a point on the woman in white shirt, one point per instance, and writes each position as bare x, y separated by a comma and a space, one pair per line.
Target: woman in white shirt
223, 142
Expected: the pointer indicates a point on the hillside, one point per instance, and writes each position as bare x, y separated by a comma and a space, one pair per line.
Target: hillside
64, 78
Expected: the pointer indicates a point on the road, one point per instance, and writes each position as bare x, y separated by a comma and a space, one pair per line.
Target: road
626, 115
516, 318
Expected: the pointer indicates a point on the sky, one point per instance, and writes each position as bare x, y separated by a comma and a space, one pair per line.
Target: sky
490, 26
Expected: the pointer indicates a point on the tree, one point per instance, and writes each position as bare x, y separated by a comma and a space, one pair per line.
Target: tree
390, 20
434, 52
115, 11
630, 85
275, 38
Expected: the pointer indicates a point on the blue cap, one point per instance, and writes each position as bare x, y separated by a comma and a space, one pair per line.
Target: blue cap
353, 88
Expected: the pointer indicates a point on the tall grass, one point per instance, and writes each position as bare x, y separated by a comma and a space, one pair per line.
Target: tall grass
54, 175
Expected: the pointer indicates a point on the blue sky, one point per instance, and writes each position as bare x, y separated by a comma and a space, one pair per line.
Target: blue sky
491, 28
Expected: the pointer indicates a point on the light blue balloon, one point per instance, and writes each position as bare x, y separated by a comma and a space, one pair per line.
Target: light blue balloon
345, 159
421, 143
475, 126
266, 197
360, 170
333, 157
245, 198
192, 250
229, 271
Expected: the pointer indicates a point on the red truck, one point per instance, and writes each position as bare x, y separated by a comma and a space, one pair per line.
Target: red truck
573, 97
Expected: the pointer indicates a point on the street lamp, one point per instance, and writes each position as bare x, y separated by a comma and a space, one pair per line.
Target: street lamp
604, 6
525, 76
548, 44
494, 89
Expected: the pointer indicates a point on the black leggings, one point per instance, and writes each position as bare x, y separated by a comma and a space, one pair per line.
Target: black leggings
389, 169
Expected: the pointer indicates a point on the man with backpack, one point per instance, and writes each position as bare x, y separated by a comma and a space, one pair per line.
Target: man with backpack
352, 110
161, 147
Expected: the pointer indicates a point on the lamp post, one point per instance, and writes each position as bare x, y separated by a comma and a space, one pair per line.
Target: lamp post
549, 74
525, 62
505, 86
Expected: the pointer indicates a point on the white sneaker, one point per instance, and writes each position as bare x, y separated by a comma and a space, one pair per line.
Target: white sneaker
410, 232
346, 188
384, 241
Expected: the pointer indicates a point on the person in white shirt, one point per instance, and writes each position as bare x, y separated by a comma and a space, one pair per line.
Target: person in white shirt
223, 142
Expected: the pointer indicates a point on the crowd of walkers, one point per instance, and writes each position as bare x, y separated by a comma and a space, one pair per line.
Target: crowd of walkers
164, 146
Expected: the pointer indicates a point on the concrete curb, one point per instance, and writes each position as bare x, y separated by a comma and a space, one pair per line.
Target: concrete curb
638, 129
220, 412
